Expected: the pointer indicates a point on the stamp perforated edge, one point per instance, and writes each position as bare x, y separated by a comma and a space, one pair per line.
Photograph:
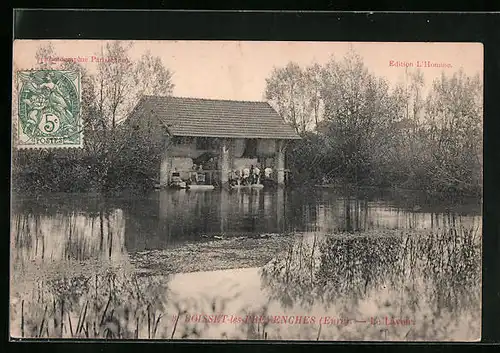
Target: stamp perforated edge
15, 116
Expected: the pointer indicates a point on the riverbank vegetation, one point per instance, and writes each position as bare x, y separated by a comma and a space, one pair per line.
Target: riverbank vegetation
356, 128
357, 275
113, 156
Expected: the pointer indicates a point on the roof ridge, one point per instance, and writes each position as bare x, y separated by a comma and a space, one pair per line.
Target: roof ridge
191, 116
206, 99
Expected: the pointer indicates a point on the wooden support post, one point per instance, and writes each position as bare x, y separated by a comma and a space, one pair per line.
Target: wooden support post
164, 169
224, 161
280, 162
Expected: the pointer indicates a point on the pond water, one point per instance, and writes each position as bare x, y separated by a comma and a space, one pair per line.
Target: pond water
365, 266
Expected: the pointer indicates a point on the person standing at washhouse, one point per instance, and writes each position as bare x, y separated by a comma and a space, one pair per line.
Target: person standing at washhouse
256, 175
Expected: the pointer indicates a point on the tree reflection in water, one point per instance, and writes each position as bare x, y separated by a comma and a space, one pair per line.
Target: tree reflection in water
71, 277
71, 236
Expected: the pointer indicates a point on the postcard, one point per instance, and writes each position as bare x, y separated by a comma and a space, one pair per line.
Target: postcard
246, 190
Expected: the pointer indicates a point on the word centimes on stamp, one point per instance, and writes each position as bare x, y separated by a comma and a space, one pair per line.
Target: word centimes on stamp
49, 109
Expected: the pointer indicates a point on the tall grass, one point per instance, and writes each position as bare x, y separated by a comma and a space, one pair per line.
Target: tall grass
99, 306
432, 276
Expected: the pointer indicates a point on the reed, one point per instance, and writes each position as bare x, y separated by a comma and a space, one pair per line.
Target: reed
120, 305
99, 313
22, 318
175, 325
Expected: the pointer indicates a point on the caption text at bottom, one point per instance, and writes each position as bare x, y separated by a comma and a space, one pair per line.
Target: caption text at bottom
291, 320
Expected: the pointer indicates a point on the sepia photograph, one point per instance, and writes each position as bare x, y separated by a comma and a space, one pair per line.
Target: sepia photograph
246, 190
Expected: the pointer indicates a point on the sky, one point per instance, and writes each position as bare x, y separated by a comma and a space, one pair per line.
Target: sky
237, 70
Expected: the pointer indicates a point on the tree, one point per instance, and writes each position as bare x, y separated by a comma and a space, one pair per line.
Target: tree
417, 83
57, 168
43, 53
368, 132
151, 77
114, 81
313, 91
286, 91
107, 96
453, 113
354, 102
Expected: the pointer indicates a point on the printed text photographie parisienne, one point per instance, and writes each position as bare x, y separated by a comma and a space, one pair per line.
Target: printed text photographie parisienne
82, 59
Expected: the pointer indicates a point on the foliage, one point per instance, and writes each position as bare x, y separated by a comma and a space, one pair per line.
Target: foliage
366, 132
294, 93
356, 127
430, 276
108, 96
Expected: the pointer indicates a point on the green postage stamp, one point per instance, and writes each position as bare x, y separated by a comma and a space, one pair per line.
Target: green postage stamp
49, 109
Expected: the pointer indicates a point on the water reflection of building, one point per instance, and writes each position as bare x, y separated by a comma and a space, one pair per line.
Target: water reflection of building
170, 216
61, 229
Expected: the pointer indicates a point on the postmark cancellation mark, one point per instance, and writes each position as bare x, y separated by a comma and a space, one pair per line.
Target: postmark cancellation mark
48, 109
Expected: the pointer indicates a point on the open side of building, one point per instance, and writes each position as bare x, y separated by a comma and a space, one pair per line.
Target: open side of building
220, 135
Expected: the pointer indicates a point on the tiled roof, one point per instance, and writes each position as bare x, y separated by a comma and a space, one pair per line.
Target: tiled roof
217, 118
